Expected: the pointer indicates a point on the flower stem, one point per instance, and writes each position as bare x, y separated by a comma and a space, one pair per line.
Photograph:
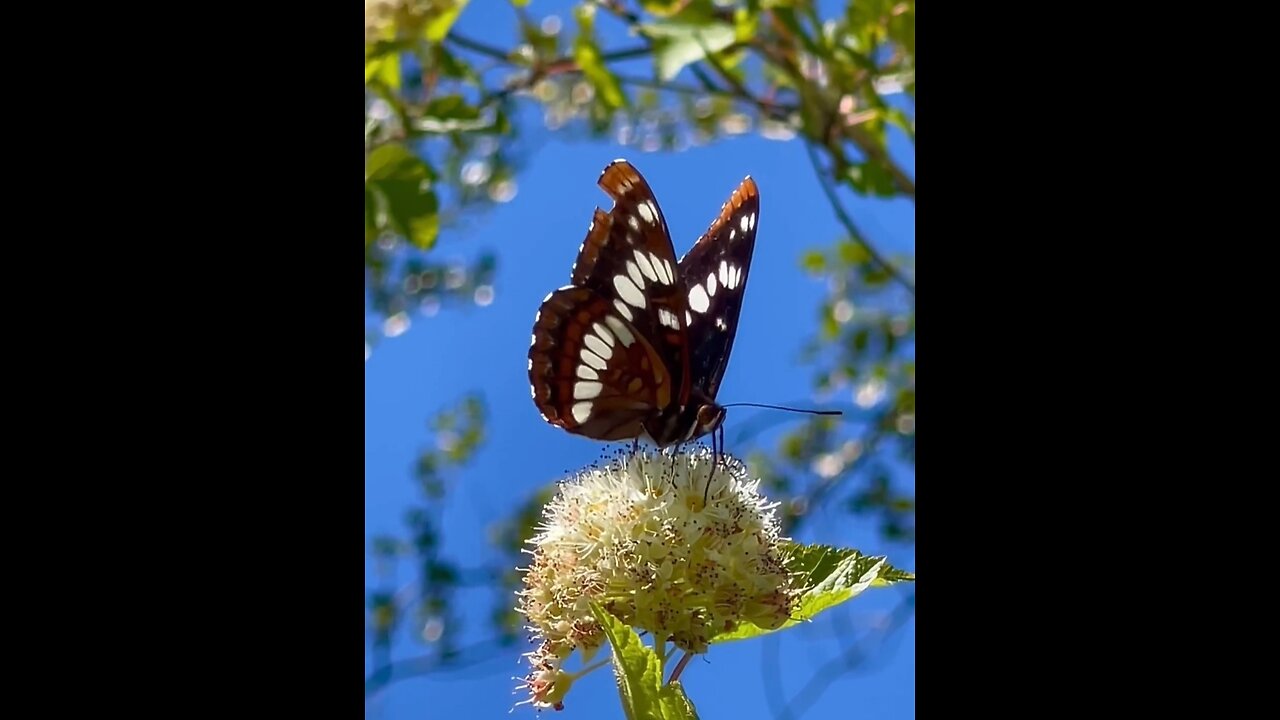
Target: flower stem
675, 675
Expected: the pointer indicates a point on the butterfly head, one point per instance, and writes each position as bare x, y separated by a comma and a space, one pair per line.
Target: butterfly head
680, 424
710, 417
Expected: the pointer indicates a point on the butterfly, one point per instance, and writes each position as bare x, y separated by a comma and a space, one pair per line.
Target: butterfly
638, 342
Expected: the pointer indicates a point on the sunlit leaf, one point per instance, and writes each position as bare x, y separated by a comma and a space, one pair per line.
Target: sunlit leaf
832, 576
638, 672
587, 55
677, 44
438, 26
385, 69
403, 181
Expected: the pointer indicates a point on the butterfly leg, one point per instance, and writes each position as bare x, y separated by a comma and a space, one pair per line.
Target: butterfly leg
675, 453
715, 460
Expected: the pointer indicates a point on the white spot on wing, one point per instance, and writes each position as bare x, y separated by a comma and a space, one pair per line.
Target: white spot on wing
634, 272
732, 233
724, 273
688, 319
666, 317
698, 299
721, 324
711, 284
660, 269
623, 310
592, 359
634, 223
646, 267
671, 274
586, 390
753, 221
628, 291
620, 329
598, 346
731, 276
587, 373
647, 212
603, 332
746, 219
581, 411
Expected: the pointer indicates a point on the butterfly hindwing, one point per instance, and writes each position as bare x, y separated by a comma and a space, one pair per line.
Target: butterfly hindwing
591, 371
714, 277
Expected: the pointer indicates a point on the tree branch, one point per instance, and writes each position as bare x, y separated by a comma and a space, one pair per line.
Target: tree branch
406, 668
849, 225
851, 658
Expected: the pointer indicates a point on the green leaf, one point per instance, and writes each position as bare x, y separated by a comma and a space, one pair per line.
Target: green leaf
832, 576
438, 26
385, 69
370, 215
451, 113
638, 672
814, 261
872, 179
675, 704
403, 183
677, 44
587, 55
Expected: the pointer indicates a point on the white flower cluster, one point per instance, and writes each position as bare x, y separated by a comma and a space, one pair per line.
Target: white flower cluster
636, 537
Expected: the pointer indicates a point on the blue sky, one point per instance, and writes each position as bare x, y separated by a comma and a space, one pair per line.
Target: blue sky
536, 235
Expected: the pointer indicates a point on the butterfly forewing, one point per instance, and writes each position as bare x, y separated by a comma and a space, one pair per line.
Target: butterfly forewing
629, 259
591, 371
714, 277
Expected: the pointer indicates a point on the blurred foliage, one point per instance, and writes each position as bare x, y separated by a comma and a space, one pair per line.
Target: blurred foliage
447, 117
457, 433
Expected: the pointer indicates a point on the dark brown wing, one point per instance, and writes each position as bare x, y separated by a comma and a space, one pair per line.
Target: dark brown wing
714, 278
591, 371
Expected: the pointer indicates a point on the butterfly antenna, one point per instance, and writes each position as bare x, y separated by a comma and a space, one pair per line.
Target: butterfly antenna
783, 407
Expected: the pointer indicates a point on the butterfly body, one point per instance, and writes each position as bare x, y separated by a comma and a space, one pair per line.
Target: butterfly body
637, 344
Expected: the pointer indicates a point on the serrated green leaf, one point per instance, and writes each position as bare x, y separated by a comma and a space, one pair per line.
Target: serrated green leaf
636, 668
831, 576
587, 55
438, 26
403, 181
677, 44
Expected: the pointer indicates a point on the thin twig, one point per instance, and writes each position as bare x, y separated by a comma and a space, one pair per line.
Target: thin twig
849, 225
851, 658
398, 670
